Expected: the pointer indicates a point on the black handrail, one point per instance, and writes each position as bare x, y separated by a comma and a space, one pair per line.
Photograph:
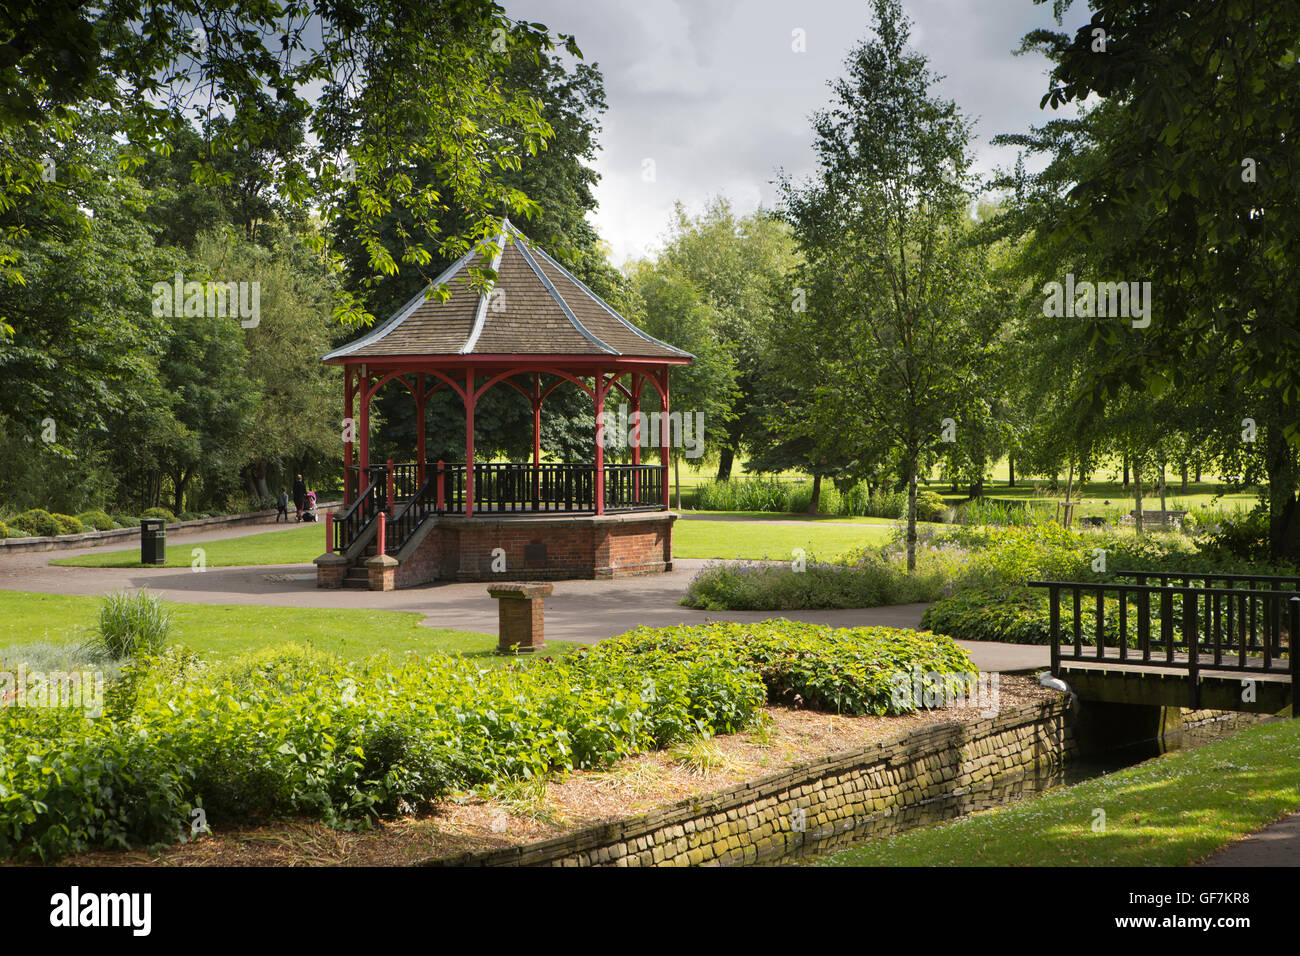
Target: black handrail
406, 521
349, 525
1231, 629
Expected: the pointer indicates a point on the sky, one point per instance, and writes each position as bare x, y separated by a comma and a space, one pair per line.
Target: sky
710, 97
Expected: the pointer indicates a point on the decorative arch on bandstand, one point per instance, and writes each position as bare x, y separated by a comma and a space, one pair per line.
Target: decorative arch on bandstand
533, 328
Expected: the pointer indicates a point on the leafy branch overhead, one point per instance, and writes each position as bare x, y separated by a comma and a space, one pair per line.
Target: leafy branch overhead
383, 85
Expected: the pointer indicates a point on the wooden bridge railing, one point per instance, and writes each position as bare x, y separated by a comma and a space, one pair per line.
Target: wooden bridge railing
1186, 627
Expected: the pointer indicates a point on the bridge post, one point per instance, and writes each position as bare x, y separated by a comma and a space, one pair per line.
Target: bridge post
1293, 635
1055, 629
1190, 622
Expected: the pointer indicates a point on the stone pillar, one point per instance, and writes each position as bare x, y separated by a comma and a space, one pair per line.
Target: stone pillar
331, 569
521, 608
382, 569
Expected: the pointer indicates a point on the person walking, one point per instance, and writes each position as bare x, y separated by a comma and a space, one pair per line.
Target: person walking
282, 505
299, 496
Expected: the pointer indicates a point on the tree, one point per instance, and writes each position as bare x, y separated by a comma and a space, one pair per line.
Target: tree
740, 265
896, 291
385, 84
1193, 176
668, 306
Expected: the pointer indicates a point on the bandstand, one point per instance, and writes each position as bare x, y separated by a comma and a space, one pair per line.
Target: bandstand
533, 329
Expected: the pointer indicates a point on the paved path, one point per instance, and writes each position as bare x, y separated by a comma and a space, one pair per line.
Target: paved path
1276, 845
584, 611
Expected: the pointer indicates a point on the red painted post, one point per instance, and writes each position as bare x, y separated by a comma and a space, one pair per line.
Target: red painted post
636, 441
442, 489
600, 444
537, 439
382, 538
663, 440
329, 532
419, 428
390, 486
470, 401
350, 427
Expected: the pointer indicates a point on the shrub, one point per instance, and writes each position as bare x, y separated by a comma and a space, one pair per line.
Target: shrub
4, 531
753, 493
68, 524
132, 625
159, 513
1244, 536
126, 521
930, 506
850, 670
96, 520
288, 731
869, 577
36, 523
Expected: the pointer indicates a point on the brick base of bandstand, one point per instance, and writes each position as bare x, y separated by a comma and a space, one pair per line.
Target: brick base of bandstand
490, 548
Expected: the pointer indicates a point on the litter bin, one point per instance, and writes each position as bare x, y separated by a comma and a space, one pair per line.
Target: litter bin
153, 541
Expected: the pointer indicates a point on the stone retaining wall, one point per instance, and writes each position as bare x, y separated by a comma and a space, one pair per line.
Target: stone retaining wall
775, 815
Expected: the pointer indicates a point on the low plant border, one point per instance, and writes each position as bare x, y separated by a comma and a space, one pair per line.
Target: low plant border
95, 539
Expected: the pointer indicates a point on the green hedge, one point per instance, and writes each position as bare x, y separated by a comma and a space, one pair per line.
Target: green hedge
288, 732
159, 513
96, 520
1022, 615
36, 523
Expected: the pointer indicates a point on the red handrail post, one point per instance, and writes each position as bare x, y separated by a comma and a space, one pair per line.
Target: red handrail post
329, 532
442, 491
382, 537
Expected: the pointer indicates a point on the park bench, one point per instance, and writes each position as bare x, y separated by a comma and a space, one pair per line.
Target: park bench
1163, 518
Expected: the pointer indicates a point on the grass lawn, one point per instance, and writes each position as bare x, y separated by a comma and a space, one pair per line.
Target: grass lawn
692, 539
220, 631
1170, 811
765, 539
296, 545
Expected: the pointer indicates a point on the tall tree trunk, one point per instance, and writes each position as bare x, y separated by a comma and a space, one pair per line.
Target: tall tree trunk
260, 478
1126, 481
913, 466
1198, 471
1164, 491
1139, 524
1283, 478
1183, 488
1069, 494
1011, 468
815, 501
725, 460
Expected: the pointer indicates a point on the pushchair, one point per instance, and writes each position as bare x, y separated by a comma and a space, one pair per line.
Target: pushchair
309, 508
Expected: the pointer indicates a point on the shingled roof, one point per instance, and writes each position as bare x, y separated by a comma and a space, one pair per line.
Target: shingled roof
535, 307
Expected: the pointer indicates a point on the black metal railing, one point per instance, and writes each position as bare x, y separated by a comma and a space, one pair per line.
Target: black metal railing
407, 519
499, 488
1183, 627
349, 525
634, 487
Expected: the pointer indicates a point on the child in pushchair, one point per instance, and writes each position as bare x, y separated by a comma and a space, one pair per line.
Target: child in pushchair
309, 507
